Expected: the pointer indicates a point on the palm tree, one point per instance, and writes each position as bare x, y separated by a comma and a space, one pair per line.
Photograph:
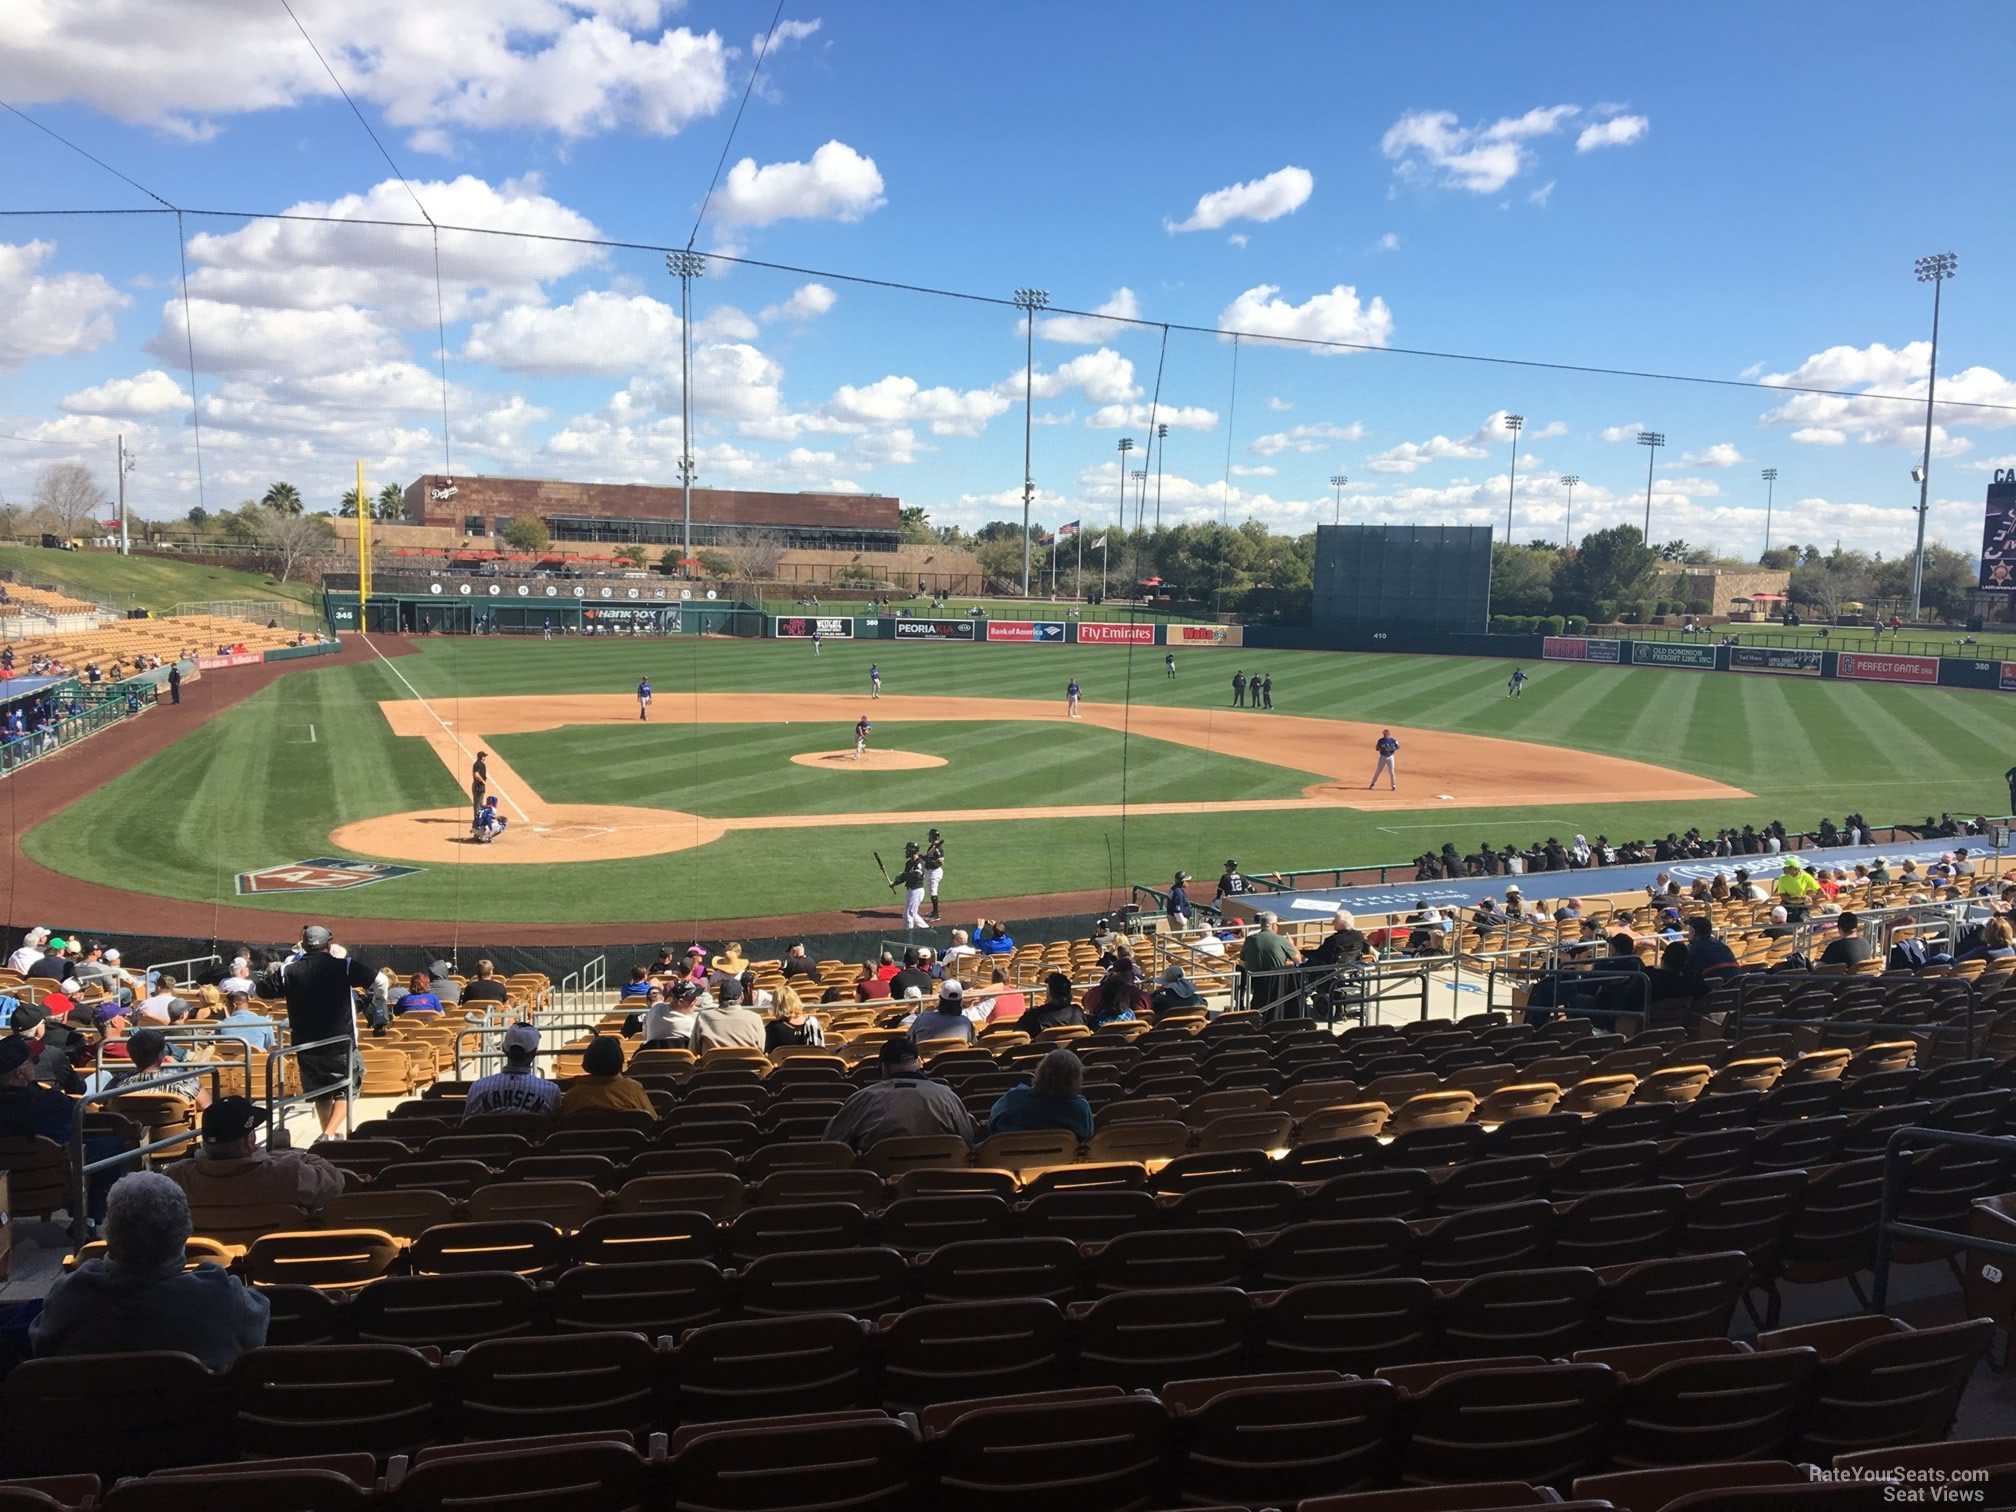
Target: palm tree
391, 502
347, 510
283, 498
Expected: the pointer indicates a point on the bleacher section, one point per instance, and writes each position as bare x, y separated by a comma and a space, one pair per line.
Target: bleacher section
126, 640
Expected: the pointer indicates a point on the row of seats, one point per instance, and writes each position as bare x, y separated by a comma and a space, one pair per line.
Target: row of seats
1148, 1421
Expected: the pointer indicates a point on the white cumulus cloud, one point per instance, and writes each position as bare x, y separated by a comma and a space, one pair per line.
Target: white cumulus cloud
1721, 454
1305, 438
1282, 192
1435, 147
1086, 330
1335, 316
1618, 131
1819, 435
50, 314
1628, 431
947, 411
807, 302
1175, 416
150, 393
838, 184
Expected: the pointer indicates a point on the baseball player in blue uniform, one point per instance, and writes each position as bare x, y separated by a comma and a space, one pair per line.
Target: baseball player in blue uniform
874, 680
861, 729
1388, 748
489, 823
818, 641
1517, 685
644, 698
1071, 699
1169, 663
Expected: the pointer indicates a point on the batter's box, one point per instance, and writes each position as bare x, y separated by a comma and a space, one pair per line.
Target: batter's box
320, 874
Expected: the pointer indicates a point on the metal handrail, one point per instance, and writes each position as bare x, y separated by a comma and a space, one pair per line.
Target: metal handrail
81, 1169
194, 1033
1887, 1226
481, 1055
182, 976
277, 1098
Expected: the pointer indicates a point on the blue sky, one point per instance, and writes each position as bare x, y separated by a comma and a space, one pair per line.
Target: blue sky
1722, 191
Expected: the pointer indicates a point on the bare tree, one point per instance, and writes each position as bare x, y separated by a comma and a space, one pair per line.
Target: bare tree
67, 495
756, 553
286, 539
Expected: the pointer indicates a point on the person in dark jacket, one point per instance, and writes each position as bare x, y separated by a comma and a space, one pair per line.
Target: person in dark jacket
1057, 1010
1055, 1100
320, 988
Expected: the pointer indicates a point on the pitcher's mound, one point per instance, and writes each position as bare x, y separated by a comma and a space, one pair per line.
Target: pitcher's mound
871, 761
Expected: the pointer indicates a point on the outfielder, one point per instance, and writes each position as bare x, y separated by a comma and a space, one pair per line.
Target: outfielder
874, 680
912, 880
1071, 700
1517, 685
1387, 747
644, 698
818, 641
934, 866
1169, 663
861, 729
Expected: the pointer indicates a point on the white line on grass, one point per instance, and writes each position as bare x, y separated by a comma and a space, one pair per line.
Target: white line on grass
446, 728
311, 734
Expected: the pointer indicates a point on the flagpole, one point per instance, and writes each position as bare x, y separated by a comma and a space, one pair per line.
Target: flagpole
1078, 587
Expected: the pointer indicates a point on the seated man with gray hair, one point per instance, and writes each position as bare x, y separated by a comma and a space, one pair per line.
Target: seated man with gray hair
138, 1296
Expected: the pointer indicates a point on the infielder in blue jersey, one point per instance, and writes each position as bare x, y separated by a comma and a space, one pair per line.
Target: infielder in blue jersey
644, 698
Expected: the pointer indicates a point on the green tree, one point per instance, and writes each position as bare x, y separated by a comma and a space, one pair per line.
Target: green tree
198, 517
1522, 578
528, 533
914, 526
1613, 564
1780, 558
632, 553
347, 509
391, 504
1675, 551
283, 498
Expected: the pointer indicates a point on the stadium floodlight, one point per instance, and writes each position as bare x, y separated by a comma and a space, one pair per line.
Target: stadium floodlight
686, 266
1120, 519
1140, 496
1028, 301
1651, 441
1568, 524
1934, 270
1162, 445
1513, 423
1337, 481
1770, 476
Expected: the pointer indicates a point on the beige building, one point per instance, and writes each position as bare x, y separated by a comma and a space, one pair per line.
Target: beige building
1721, 586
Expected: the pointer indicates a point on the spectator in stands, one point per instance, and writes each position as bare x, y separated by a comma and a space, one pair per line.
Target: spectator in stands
1210, 942
518, 1088
56, 966
945, 1019
441, 982
147, 1056
1004, 1003
320, 988
238, 976
727, 1025
1795, 887
887, 969
1344, 945
994, 939
1055, 1100
873, 986
668, 1017
602, 1086
31, 950
419, 997
1176, 994
959, 949
1849, 947
1623, 960
161, 1006
913, 974
241, 1023
95, 971
139, 1297
49, 1042
230, 1170
1057, 1010
905, 1101
486, 988
798, 964
790, 1022
638, 985
1780, 925
1998, 942
1116, 998
1264, 960
1709, 960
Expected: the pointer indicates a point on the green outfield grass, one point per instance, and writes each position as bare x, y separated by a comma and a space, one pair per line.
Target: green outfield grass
249, 791
158, 583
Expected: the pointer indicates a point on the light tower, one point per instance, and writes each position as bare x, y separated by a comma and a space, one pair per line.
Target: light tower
1934, 270
1337, 481
1513, 423
1028, 301
1568, 524
685, 266
1651, 441
1770, 476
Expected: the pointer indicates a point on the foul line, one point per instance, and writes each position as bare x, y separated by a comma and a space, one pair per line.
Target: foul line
446, 728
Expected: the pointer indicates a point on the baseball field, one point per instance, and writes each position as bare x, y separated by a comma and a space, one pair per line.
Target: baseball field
738, 798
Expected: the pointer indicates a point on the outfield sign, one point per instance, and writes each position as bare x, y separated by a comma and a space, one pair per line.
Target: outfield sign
1108, 633
1672, 654
2007, 679
320, 874
1203, 635
1860, 666
804, 627
231, 659
1774, 659
935, 629
1580, 648
1027, 632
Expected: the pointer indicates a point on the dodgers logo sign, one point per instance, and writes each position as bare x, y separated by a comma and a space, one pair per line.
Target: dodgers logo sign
321, 874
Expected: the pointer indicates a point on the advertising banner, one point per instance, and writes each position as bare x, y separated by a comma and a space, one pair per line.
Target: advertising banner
1998, 535
1104, 633
1205, 635
1860, 666
1579, 648
1774, 659
935, 629
235, 659
1026, 632
1673, 654
804, 627
659, 621
2008, 679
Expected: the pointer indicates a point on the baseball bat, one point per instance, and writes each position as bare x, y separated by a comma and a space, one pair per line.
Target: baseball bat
882, 869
